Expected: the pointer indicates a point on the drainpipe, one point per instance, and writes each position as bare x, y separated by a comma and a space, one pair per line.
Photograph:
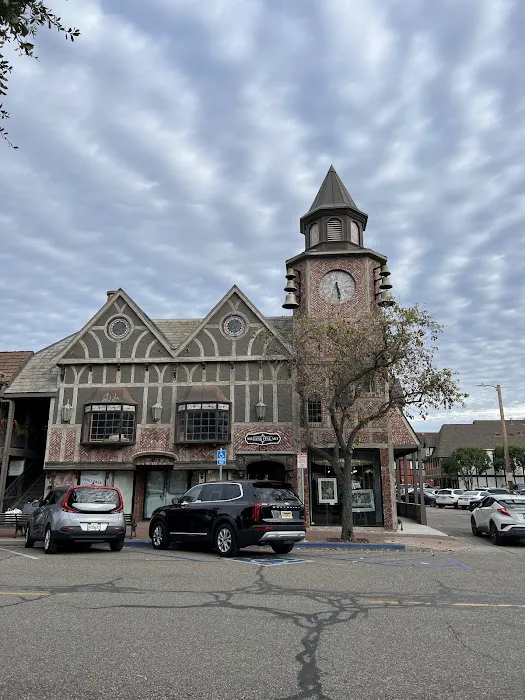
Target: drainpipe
4, 465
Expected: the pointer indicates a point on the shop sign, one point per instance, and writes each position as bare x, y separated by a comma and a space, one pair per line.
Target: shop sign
92, 478
262, 438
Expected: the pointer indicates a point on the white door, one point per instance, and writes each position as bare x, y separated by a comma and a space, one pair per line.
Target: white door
483, 513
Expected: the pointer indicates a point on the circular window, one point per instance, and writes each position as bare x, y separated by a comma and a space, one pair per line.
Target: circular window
119, 328
234, 326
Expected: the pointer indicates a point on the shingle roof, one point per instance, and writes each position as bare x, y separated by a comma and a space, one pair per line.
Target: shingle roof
332, 194
11, 363
176, 330
428, 439
39, 375
480, 433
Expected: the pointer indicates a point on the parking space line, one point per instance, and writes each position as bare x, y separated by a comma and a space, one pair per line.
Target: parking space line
26, 593
18, 554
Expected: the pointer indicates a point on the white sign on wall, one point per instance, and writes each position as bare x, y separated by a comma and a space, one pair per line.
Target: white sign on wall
92, 478
16, 467
302, 460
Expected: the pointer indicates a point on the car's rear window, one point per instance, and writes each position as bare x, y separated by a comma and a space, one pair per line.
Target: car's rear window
513, 504
94, 495
498, 491
267, 493
444, 492
470, 493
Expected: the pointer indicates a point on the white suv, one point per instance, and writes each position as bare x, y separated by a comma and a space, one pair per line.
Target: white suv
448, 497
502, 516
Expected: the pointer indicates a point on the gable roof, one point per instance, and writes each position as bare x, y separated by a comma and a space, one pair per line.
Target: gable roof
234, 290
11, 363
120, 294
39, 374
481, 433
176, 330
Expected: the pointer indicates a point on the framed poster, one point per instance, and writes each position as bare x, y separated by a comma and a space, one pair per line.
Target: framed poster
363, 500
327, 490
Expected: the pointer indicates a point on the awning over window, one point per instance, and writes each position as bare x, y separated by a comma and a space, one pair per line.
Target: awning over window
202, 394
111, 394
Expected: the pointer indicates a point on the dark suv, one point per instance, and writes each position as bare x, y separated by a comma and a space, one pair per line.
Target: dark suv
232, 514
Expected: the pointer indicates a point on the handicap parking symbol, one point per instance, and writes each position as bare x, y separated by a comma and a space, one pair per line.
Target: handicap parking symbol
270, 562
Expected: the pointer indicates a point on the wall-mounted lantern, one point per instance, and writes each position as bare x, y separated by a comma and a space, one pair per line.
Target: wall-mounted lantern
260, 410
156, 412
66, 413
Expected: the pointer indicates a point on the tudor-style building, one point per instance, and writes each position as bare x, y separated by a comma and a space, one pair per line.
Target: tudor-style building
148, 405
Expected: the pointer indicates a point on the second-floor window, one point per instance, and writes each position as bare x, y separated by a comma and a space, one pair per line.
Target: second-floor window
203, 422
109, 423
314, 410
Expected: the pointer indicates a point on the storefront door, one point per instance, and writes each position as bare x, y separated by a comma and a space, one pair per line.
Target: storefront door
162, 486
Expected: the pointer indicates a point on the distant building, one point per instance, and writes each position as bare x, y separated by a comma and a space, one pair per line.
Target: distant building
481, 433
408, 467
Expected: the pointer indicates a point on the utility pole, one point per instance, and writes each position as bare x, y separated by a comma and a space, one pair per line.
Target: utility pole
508, 471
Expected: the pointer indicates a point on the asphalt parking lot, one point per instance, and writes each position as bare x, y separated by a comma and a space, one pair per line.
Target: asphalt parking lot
323, 624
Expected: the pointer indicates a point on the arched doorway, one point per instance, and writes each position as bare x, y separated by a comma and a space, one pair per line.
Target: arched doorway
266, 469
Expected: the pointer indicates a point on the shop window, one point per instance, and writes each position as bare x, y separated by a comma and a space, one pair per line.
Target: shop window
203, 422
314, 410
112, 424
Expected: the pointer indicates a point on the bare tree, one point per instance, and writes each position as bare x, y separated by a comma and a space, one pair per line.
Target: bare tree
361, 370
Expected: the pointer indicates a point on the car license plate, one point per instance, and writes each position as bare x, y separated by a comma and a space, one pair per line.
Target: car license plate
286, 515
93, 527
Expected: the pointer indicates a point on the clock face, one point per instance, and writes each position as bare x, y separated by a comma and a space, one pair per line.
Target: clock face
337, 286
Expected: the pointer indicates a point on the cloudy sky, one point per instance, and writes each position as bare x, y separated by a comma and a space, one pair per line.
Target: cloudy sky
172, 149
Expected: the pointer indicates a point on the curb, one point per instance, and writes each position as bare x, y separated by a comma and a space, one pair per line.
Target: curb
306, 545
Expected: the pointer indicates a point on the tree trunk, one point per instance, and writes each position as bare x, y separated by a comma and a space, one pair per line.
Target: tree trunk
347, 516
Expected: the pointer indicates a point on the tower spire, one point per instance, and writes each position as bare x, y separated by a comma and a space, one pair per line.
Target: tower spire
332, 194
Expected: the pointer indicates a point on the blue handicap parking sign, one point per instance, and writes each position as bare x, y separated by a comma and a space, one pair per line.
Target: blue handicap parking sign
221, 457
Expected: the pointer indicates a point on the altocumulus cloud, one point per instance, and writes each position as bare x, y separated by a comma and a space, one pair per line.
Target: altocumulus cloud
173, 148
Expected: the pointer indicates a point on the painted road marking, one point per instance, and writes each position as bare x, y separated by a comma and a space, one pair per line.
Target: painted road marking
445, 604
271, 562
24, 593
18, 554
437, 561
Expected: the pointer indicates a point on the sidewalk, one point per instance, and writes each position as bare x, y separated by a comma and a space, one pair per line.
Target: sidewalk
413, 535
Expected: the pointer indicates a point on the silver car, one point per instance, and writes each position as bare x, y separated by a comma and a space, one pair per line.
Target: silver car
501, 516
78, 515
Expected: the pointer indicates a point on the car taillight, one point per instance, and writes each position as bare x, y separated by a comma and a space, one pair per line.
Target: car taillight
504, 511
120, 506
256, 512
64, 506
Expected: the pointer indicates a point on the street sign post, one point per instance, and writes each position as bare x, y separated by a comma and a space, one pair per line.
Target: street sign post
221, 461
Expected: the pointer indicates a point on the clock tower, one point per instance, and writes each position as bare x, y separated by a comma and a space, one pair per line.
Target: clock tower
336, 270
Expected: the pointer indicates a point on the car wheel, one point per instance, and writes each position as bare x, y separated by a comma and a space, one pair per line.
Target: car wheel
456, 505
282, 547
475, 530
494, 535
226, 541
30, 542
159, 536
116, 546
50, 545
432, 504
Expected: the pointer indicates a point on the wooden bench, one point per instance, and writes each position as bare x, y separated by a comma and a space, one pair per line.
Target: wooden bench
132, 523
16, 521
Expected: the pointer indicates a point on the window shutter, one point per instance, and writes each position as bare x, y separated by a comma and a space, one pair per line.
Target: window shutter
334, 230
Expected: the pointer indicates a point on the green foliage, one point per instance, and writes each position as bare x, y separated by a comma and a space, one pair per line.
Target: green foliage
466, 463
19, 22
517, 459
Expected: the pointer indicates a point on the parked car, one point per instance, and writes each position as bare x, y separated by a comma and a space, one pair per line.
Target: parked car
502, 516
448, 497
429, 497
78, 515
469, 499
231, 515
